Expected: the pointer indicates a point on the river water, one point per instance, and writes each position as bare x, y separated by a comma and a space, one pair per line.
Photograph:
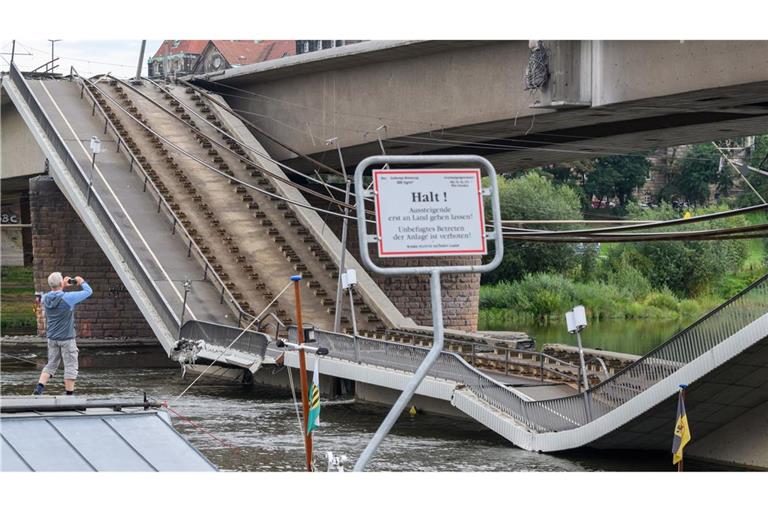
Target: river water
626, 336
256, 428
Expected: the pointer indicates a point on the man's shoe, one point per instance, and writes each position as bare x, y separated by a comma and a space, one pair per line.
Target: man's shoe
38, 389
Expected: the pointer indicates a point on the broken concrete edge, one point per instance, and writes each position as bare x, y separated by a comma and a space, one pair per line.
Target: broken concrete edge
560, 347
373, 294
483, 337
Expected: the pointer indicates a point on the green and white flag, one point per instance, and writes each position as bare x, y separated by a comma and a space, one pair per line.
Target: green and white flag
314, 401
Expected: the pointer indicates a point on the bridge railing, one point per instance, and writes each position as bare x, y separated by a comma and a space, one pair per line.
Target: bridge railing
397, 356
95, 203
226, 336
570, 412
685, 346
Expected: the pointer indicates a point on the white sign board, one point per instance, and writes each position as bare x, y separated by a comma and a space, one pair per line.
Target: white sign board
429, 212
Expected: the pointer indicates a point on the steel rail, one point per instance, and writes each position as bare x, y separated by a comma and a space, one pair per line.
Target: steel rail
570, 412
474, 355
177, 224
215, 142
217, 171
244, 144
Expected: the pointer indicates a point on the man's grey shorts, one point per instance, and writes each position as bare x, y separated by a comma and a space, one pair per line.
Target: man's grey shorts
66, 350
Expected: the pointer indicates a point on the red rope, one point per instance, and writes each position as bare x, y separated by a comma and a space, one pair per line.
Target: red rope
201, 428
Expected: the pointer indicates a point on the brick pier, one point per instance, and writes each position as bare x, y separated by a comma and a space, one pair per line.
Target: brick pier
61, 242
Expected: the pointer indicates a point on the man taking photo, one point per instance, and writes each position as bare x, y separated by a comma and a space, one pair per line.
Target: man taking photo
60, 329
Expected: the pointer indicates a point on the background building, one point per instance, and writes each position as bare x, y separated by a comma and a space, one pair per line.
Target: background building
312, 45
175, 57
221, 54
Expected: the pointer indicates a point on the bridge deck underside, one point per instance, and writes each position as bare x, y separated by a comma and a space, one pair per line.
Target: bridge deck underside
713, 401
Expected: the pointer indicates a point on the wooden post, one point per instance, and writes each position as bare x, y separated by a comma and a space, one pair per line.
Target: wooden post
303, 372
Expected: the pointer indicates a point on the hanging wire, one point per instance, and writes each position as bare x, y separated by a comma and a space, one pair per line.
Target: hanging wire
217, 171
222, 146
295, 401
242, 333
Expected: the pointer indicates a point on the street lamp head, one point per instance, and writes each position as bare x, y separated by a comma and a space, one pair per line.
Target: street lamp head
95, 145
576, 319
349, 278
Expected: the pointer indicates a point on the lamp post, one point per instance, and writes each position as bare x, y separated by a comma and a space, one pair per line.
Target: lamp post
348, 280
53, 42
577, 321
95, 150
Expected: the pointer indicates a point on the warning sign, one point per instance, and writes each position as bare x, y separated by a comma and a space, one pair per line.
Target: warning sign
429, 212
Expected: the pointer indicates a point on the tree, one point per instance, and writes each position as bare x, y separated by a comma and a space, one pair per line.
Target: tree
696, 171
688, 268
534, 197
617, 176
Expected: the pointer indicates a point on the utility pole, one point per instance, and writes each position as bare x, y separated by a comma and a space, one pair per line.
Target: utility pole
13, 53
342, 256
53, 42
141, 60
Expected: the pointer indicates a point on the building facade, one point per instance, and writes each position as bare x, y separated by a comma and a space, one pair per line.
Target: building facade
313, 45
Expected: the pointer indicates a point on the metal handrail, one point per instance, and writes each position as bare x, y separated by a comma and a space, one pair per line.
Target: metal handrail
97, 206
86, 84
507, 351
573, 411
661, 362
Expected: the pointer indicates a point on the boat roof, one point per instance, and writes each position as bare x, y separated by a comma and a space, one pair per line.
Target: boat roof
77, 434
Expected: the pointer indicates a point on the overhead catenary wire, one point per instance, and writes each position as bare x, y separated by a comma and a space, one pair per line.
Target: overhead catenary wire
241, 142
652, 224
262, 131
221, 354
219, 172
334, 213
673, 222
229, 150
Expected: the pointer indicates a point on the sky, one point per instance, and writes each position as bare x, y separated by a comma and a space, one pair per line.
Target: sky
88, 57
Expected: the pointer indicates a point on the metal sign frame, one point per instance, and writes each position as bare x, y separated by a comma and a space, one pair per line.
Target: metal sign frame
365, 238
434, 271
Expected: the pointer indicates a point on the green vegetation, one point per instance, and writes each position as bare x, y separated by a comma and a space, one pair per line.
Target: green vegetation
671, 280
17, 314
617, 176
534, 197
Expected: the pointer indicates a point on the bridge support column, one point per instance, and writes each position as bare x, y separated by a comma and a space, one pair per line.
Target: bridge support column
61, 242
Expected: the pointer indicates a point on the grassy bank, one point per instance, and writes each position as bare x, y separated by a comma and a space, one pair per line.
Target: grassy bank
542, 297
17, 294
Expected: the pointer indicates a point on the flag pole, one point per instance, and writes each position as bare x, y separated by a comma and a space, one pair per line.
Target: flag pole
682, 397
303, 371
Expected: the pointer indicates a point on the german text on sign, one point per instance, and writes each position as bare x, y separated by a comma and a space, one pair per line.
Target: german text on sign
429, 212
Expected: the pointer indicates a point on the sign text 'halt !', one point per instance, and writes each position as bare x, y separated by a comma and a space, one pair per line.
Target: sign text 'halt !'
429, 212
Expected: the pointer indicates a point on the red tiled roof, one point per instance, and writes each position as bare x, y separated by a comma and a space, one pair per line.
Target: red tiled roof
238, 53
194, 46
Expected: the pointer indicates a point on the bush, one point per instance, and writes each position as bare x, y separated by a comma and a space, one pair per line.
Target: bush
534, 197
688, 268
664, 299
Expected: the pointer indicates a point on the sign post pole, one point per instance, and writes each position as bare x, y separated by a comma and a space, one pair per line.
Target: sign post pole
425, 212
